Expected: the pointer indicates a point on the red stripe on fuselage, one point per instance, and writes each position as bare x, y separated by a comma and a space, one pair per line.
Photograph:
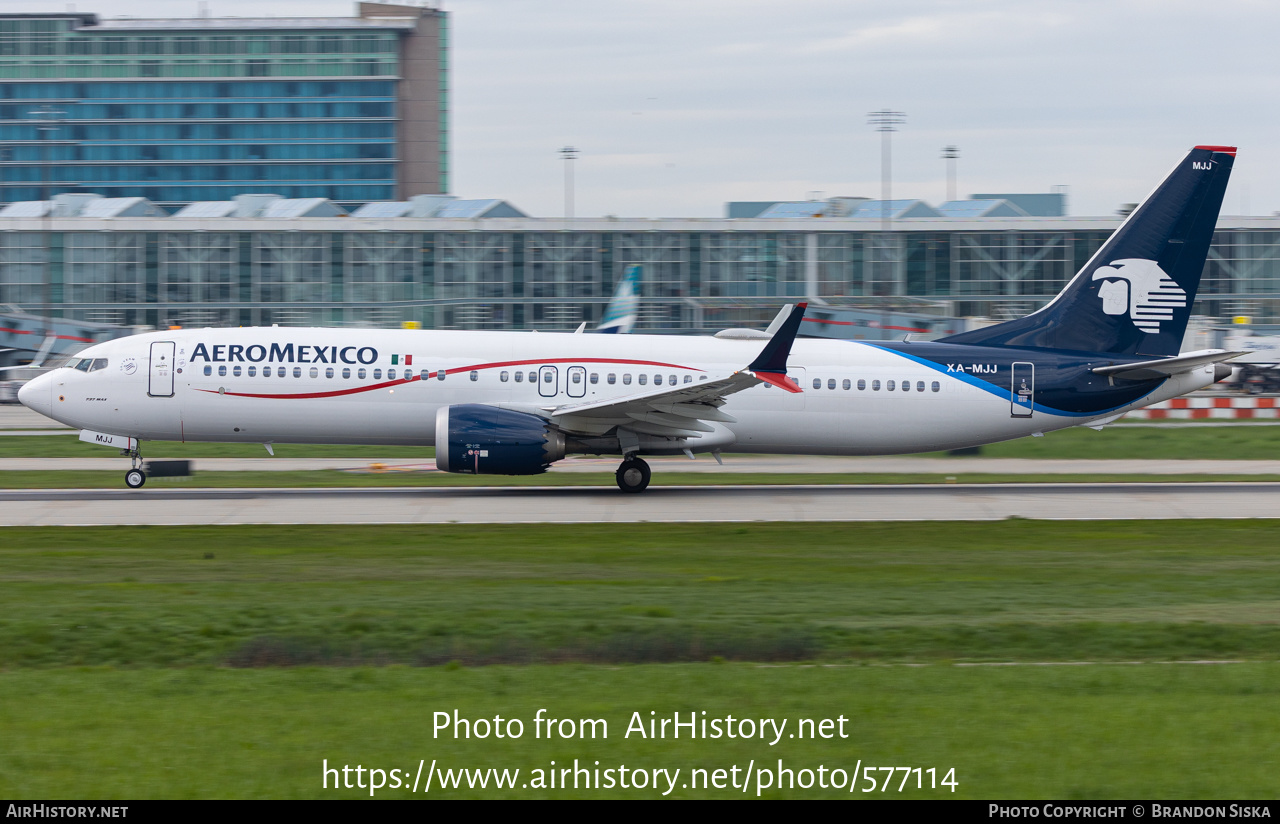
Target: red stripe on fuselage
355, 390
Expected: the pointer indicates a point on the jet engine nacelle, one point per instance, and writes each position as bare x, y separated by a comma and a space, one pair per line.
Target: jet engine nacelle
486, 440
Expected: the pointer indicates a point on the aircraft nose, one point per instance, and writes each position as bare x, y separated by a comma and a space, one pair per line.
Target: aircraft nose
37, 394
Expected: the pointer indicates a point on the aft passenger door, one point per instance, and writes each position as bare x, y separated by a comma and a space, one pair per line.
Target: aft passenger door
160, 374
576, 381
1022, 391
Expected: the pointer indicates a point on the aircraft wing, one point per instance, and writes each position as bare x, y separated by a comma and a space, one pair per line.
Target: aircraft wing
1149, 370
682, 411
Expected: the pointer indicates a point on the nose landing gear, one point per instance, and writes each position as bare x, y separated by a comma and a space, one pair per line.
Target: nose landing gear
135, 477
633, 475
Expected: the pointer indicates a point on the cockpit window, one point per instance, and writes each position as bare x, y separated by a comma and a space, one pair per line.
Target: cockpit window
82, 365
98, 363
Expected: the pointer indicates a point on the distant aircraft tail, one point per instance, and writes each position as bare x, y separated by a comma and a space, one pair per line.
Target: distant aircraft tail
620, 314
1135, 295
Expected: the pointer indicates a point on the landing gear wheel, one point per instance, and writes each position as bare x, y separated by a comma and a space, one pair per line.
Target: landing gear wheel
633, 475
135, 478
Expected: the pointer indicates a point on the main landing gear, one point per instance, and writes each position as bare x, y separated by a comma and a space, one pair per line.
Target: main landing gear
135, 477
633, 475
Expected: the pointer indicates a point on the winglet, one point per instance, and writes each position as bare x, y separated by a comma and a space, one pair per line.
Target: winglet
770, 365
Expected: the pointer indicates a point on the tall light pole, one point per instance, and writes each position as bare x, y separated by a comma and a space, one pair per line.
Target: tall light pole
569, 154
46, 124
951, 154
886, 122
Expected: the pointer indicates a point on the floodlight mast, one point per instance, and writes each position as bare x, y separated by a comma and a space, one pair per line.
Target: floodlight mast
886, 122
570, 154
951, 154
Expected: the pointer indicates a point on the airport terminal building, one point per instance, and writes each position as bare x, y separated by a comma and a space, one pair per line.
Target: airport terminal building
482, 264
353, 109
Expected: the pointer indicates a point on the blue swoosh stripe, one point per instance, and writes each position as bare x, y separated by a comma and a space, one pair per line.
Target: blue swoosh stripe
1003, 394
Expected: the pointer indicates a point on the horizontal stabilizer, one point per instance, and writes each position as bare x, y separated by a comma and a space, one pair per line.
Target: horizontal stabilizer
1150, 370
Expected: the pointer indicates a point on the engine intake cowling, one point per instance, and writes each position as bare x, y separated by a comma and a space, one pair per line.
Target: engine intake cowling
486, 440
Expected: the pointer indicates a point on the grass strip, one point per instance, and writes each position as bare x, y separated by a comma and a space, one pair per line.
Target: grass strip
1052, 733
1131, 443
258, 596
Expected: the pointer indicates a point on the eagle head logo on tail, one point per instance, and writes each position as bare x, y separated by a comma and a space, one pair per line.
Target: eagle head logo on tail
1140, 288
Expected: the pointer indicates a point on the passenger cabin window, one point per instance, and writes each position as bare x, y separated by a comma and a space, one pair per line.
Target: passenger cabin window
314, 372
297, 371
222, 370
626, 378
362, 374
936, 386
919, 386
533, 377
346, 372
424, 374
846, 383
595, 377
377, 374
440, 373
642, 378
519, 377
831, 383
208, 370
391, 374
817, 383
906, 386
328, 372
875, 386
235, 370
688, 378
253, 371
504, 376
657, 380
611, 379
862, 384
889, 386
475, 375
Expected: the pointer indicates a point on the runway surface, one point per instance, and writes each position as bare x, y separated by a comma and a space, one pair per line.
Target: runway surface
658, 504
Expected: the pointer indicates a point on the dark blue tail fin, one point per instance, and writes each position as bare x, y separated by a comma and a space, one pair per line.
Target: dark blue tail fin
1134, 296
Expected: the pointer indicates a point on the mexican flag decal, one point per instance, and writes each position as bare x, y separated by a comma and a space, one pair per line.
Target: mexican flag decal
407, 360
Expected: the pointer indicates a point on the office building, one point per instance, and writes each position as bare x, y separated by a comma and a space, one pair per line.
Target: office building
350, 109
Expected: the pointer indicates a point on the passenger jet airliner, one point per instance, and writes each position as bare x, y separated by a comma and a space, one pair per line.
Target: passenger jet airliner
513, 403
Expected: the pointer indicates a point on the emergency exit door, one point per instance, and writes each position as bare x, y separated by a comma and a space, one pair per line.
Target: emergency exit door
1022, 391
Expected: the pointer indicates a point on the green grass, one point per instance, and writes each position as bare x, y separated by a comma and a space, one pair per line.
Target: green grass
229, 661
64, 446
1199, 442
94, 479
1014, 590
1063, 733
1237, 443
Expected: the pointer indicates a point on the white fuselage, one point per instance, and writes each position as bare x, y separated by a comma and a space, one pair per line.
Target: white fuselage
354, 386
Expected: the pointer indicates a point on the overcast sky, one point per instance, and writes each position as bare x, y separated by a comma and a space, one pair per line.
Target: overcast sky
680, 105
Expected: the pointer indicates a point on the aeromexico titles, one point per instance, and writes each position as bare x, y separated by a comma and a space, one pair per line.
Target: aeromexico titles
517, 402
